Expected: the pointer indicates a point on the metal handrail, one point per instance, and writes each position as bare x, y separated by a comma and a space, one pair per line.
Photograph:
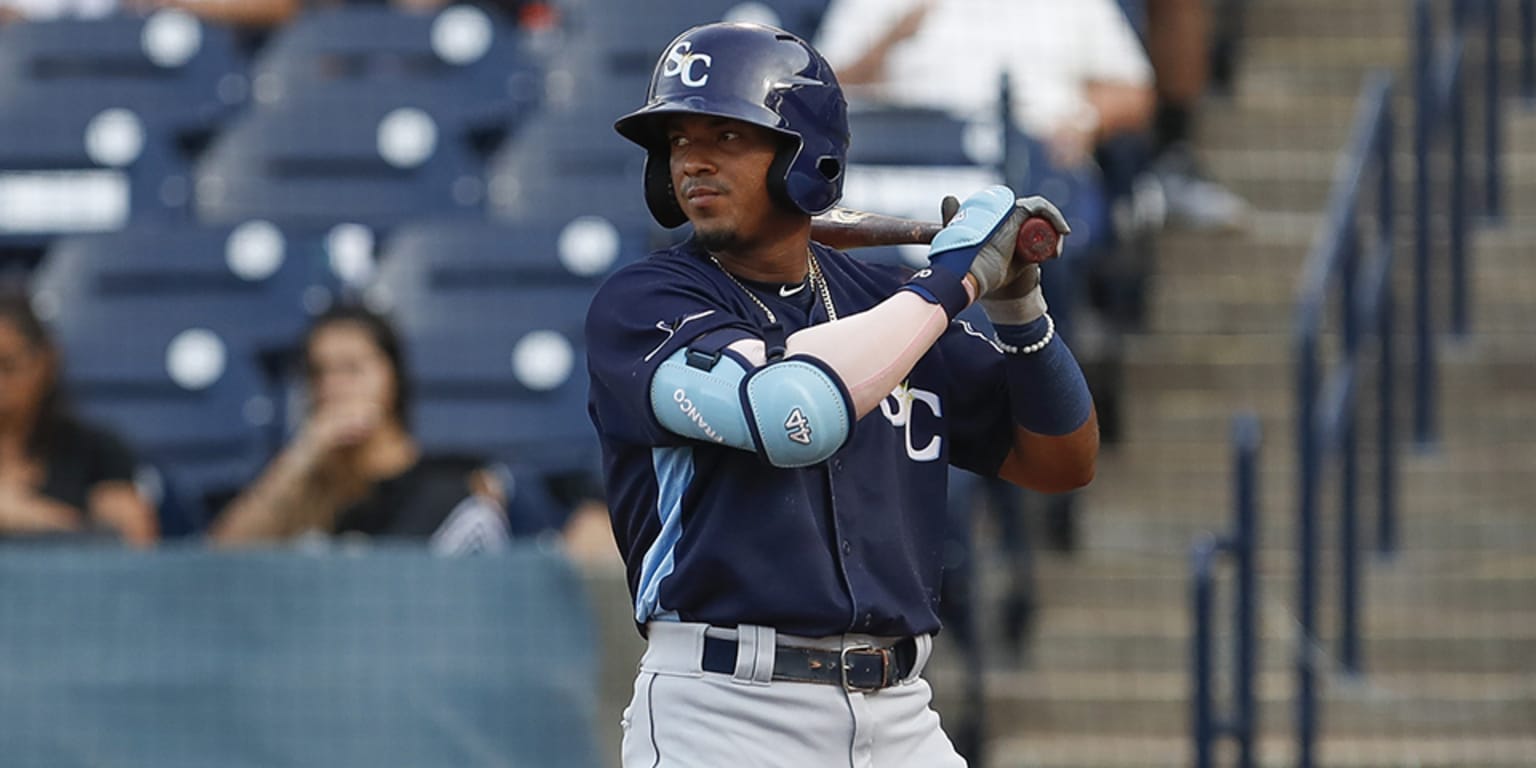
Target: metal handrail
1327, 402
1528, 52
1241, 546
1440, 115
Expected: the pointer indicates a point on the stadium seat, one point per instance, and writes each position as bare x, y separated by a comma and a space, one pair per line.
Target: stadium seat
889, 135
567, 163
452, 258
69, 166
98, 119
174, 68
462, 56
187, 401
252, 283
515, 392
491, 317
375, 158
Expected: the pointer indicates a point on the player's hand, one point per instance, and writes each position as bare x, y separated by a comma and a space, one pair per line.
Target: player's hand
1037, 206
980, 239
1023, 275
1018, 298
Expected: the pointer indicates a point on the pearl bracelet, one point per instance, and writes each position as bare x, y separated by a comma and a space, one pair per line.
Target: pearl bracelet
1050, 333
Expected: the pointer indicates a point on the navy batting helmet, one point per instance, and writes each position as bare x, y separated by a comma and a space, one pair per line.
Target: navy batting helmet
759, 75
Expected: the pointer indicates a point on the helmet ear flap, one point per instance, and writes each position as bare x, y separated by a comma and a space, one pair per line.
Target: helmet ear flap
660, 197
778, 173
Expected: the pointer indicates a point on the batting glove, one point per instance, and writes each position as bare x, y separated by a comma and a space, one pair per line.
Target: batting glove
977, 241
1018, 299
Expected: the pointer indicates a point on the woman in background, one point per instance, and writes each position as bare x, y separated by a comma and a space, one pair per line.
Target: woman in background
354, 467
59, 475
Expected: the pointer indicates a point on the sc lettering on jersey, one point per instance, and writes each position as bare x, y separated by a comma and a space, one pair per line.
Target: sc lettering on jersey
898, 409
692, 68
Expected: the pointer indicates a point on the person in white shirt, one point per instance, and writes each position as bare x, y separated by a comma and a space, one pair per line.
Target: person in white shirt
1077, 70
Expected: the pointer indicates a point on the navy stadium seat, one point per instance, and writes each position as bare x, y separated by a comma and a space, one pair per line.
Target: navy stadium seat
492, 320
252, 283
452, 258
461, 55
189, 404
174, 68
515, 392
375, 158
566, 163
917, 136
98, 119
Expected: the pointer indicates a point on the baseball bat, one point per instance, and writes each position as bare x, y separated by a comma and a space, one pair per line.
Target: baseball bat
845, 228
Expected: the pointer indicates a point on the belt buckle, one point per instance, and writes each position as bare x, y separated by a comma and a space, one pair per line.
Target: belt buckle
885, 667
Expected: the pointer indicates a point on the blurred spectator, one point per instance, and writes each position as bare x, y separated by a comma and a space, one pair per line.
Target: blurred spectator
1077, 71
58, 473
1179, 42
354, 468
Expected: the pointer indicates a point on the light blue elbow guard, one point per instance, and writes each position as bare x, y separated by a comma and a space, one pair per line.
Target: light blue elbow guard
700, 398
800, 413
793, 412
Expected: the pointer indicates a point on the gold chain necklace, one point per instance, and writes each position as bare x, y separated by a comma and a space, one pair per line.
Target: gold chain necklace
818, 285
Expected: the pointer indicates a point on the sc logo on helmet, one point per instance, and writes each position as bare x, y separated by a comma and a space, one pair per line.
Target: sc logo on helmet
681, 63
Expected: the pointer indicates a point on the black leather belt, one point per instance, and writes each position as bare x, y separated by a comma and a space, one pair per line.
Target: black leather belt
861, 668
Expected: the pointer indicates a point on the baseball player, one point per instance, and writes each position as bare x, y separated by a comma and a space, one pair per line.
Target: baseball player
777, 420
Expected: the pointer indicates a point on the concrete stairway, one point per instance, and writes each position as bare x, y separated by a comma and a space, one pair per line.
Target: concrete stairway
1451, 620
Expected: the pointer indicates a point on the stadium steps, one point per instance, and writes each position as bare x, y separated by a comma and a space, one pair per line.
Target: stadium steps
1450, 642
1389, 750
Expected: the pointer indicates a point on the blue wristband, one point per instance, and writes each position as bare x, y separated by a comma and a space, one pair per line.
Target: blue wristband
938, 285
1045, 384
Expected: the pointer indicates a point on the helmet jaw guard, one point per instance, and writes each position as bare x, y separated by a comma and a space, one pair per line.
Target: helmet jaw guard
759, 75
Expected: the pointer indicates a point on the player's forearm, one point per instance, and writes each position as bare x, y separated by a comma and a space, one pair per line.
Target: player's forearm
1053, 464
1056, 429
872, 351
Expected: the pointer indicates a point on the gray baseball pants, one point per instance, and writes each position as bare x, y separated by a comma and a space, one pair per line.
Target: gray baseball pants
684, 717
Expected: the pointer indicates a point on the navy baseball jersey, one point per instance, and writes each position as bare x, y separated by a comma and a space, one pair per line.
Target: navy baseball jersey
715, 534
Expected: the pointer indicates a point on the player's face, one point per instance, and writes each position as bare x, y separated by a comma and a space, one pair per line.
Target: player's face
345, 365
24, 373
720, 174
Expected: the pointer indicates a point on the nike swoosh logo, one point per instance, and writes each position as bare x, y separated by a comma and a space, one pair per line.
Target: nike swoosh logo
786, 291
